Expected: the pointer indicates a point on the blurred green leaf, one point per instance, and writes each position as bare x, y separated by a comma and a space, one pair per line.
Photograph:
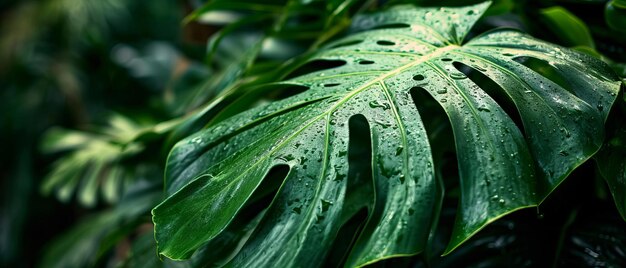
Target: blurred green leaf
143, 254
95, 161
567, 27
615, 15
84, 244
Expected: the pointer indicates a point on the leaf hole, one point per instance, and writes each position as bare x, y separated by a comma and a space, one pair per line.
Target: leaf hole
359, 151
236, 107
385, 43
265, 192
262, 197
257, 204
391, 26
495, 91
315, 66
359, 183
546, 70
345, 239
446, 59
331, 84
418, 77
439, 131
433, 115
285, 91
347, 43
366, 62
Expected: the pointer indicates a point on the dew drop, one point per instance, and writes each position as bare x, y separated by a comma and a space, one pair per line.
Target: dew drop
297, 210
399, 150
383, 124
480, 68
458, 76
326, 205
566, 132
483, 109
340, 177
376, 104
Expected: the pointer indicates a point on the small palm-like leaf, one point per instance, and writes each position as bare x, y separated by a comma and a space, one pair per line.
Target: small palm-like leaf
391, 59
95, 160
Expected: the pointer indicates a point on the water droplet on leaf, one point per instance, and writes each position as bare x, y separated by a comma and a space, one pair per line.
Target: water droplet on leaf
326, 205
458, 76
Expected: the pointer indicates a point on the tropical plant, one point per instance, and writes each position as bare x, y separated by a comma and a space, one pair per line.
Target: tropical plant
323, 133
393, 61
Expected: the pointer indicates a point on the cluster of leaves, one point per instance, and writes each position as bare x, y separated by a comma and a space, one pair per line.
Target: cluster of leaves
341, 133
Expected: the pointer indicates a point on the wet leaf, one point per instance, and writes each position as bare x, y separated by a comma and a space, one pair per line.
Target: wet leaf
524, 114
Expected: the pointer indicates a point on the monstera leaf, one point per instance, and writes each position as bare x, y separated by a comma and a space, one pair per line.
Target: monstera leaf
524, 114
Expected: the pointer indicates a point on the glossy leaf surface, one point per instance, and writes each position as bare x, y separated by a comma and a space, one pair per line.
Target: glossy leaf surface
508, 158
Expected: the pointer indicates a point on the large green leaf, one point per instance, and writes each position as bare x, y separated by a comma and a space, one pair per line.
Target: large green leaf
380, 71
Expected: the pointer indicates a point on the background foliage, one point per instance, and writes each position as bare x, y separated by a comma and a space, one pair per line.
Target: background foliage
95, 93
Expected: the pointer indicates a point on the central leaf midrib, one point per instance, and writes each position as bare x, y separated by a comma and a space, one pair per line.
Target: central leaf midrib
381, 78
354, 92
437, 52
380, 81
